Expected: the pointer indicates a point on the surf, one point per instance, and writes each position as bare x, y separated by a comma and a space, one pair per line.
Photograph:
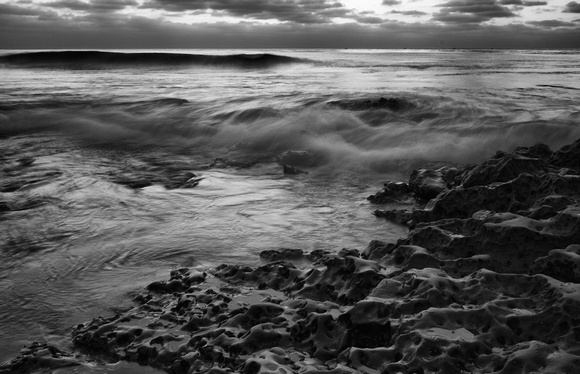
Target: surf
80, 60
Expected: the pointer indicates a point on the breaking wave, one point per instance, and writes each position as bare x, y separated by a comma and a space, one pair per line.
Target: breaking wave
82, 60
384, 136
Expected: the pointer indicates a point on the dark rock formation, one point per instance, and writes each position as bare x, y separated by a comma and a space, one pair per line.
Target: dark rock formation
392, 192
488, 281
291, 170
427, 184
301, 159
394, 104
567, 157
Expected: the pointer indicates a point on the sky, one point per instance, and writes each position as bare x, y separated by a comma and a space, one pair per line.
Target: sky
144, 24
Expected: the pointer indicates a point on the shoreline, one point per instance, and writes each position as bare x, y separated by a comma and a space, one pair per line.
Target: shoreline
487, 280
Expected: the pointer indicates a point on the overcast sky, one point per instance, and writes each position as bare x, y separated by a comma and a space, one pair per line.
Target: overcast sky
289, 24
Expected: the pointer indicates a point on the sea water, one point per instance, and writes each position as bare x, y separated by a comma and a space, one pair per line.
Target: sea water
76, 242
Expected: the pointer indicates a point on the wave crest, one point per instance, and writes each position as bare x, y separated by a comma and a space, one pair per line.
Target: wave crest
98, 60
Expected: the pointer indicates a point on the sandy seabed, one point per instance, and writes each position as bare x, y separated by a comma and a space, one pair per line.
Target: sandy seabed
487, 281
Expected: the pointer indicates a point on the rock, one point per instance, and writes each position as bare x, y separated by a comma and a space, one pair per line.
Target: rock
394, 104
539, 150
392, 192
179, 180
427, 184
133, 183
480, 284
282, 254
377, 250
502, 169
291, 170
4, 207
301, 159
567, 157
561, 264
39, 356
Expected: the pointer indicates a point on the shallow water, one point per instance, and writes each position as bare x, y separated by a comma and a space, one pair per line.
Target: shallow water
77, 244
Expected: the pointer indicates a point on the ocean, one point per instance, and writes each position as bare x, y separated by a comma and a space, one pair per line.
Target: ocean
118, 166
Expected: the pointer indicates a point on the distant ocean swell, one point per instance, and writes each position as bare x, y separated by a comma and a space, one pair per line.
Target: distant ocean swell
362, 134
98, 60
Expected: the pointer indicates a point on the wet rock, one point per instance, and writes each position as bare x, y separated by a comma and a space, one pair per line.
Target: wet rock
181, 180
4, 207
394, 104
39, 356
291, 170
481, 284
377, 250
282, 254
427, 184
392, 192
539, 150
561, 264
567, 157
503, 169
133, 183
301, 159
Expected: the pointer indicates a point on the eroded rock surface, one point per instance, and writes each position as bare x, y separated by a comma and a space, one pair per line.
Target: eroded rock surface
487, 281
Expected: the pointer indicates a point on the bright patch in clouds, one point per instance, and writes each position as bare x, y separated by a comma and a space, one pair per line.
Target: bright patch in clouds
289, 23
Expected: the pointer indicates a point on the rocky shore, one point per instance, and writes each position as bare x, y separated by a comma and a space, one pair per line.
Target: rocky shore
487, 281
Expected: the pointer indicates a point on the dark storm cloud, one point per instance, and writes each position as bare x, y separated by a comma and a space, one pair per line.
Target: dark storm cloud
408, 12
572, 7
299, 11
104, 6
523, 3
471, 11
551, 23
391, 2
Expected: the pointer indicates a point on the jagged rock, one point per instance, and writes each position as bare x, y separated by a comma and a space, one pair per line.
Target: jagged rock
291, 170
344, 279
567, 157
377, 250
561, 264
301, 159
282, 254
4, 207
427, 184
398, 192
394, 104
503, 169
512, 241
38, 356
481, 285
539, 150
133, 183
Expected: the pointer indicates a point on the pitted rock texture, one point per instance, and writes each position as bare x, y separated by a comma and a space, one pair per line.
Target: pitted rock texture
487, 281
506, 183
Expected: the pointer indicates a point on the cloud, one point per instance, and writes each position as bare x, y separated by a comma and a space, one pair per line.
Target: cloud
298, 11
552, 23
572, 7
369, 19
15, 10
523, 3
115, 30
100, 6
308, 24
471, 11
69, 4
409, 12
391, 2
